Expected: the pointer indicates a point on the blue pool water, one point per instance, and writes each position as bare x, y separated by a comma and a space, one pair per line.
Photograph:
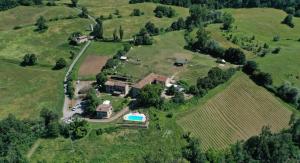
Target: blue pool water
135, 118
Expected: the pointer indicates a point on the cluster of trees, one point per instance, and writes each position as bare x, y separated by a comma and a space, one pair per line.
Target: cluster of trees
215, 77
259, 77
178, 25
150, 95
136, 12
7, 4
29, 60
266, 147
161, 11
77, 129
98, 31
205, 44
115, 60
289, 93
183, 3
143, 38
16, 137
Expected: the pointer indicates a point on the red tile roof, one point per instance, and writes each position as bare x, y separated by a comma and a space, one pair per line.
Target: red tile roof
104, 107
149, 79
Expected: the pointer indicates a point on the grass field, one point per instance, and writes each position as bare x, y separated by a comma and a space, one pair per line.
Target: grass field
264, 24
48, 46
125, 145
131, 25
27, 15
25, 91
160, 57
238, 112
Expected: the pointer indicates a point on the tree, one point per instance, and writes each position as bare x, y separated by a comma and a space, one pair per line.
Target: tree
41, 24
60, 63
235, 56
115, 36
29, 60
74, 3
101, 78
199, 15
178, 98
79, 128
92, 102
150, 95
250, 67
288, 93
228, 20
192, 152
50, 119
151, 29
38, 2
142, 38
262, 78
288, 20
171, 91
136, 12
121, 32
98, 29
84, 13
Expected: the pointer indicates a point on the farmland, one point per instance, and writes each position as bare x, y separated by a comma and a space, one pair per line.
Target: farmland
267, 22
238, 112
92, 65
146, 59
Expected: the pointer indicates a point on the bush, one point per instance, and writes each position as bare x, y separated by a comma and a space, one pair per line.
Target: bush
288, 20
276, 38
161, 11
276, 50
169, 115
136, 12
289, 93
60, 63
29, 60
262, 78
178, 98
297, 13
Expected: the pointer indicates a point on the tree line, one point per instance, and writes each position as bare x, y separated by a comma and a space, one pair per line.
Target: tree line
286, 91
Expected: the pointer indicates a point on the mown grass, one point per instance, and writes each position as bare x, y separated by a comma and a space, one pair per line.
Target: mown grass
160, 58
238, 112
130, 24
264, 24
24, 91
27, 15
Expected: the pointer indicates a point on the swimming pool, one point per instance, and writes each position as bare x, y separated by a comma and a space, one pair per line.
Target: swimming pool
136, 117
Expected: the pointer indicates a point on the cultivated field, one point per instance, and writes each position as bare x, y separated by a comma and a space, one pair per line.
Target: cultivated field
264, 24
92, 65
238, 112
160, 57
131, 25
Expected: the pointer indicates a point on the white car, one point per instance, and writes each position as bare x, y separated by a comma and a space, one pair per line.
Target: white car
73, 109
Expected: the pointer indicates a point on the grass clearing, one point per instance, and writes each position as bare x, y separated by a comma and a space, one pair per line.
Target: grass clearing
160, 57
238, 112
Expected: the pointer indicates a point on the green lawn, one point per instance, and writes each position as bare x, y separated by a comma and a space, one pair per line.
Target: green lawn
160, 57
27, 15
264, 24
131, 25
24, 91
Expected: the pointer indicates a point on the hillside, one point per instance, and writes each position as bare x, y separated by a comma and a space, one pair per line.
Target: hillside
237, 113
